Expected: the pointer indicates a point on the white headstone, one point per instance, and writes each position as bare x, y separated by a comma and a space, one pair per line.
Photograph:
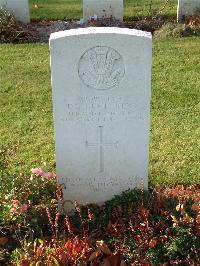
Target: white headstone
20, 9
187, 8
101, 80
103, 9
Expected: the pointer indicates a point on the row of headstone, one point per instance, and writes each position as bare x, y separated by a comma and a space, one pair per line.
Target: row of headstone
101, 9
114, 9
19, 8
101, 80
187, 8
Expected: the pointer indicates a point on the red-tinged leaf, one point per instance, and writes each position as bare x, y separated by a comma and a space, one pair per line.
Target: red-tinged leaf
68, 244
25, 262
106, 262
123, 263
153, 243
163, 238
3, 240
25, 195
198, 219
103, 247
196, 207
94, 255
115, 259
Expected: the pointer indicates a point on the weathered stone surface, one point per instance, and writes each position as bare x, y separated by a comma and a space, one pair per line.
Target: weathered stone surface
103, 9
101, 79
187, 8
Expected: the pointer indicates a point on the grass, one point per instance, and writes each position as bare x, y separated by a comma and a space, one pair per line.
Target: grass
72, 9
26, 109
175, 112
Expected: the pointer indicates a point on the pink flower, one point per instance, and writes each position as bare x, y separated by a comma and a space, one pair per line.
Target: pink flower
16, 203
13, 210
40, 172
18, 208
48, 175
37, 171
24, 208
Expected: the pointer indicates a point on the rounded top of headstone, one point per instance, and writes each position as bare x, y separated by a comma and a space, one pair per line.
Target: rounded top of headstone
100, 30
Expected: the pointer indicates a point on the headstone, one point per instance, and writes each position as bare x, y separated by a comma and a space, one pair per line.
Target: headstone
187, 8
103, 9
101, 80
20, 9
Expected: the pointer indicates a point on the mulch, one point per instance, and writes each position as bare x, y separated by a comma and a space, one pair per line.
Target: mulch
41, 31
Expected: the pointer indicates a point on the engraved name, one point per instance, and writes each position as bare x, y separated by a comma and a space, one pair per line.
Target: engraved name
101, 109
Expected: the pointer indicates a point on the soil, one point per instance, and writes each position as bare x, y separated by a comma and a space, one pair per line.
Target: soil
40, 31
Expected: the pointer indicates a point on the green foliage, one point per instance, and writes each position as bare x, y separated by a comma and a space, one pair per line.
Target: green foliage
182, 244
138, 9
59, 253
16, 256
127, 198
7, 25
177, 30
21, 191
12, 31
152, 226
142, 235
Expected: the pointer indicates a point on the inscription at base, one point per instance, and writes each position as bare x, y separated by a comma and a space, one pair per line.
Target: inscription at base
102, 184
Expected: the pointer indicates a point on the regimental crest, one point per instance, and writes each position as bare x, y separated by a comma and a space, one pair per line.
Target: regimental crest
101, 68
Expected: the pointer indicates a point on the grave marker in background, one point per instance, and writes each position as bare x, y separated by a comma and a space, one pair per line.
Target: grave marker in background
187, 8
101, 80
20, 9
103, 9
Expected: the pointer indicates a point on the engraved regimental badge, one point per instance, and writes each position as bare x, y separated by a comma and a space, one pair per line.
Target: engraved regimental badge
101, 68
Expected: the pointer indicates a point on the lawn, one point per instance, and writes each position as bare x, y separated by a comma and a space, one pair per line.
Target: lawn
72, 9
26, 109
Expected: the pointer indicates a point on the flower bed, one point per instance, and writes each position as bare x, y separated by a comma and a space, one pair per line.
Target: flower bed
158, 227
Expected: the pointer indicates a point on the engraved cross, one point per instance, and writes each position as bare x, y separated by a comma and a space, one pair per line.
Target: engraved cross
101, 144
